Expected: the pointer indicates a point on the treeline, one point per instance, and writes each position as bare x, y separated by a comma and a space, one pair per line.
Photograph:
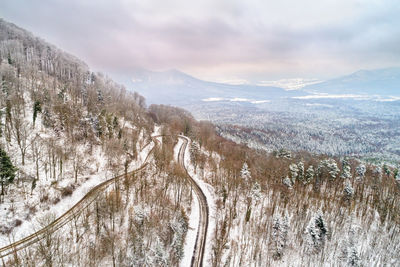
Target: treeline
60, 121
74, 105
273, 208
59, 124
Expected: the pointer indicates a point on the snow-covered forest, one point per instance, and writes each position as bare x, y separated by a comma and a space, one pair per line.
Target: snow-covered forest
65, 131
365, 129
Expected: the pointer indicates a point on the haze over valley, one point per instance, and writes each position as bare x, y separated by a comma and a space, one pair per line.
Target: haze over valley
354, 115
199, 133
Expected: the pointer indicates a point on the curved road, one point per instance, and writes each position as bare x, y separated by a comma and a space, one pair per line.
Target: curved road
198, 252
199, 248
68, 215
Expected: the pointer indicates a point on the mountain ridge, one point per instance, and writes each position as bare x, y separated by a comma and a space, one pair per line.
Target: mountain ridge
179, 88
385, 82
176, 87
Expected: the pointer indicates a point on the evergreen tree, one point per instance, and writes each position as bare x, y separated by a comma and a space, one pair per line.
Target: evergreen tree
161, 256
300, 174
1, 123
346, 170
396, 174
287, 182
256, 191
10, 61
283, 153
245, 172
7, 170
354, 259
194, 152
294, 172
37, 107
350, 255
348, 190
386, 170
316, 232
329, 166
309, 175
280, 229
360, 170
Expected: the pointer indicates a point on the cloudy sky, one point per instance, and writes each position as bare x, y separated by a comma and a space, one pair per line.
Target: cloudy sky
219, 40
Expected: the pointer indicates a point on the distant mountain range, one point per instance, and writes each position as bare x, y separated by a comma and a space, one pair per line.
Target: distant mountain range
383, 82
177, 88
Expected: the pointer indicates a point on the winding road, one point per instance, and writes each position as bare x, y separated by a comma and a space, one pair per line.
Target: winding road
91, 196
94, 193
201, 237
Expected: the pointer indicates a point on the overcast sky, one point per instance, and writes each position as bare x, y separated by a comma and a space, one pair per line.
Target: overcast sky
218, 40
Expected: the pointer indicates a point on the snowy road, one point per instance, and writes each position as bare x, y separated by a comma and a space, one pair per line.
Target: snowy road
200, 245
201, 236
91, 196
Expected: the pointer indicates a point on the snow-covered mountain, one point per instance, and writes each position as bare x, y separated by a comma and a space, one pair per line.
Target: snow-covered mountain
383, 82
176, 87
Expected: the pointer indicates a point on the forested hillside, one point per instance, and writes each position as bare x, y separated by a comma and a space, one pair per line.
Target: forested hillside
65, 131
292, 209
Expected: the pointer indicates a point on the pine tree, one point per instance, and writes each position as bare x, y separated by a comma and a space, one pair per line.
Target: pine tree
330, 166
300, 174
283, 153
287, 182
245, 172
10, 61
346, 172
194, 152
348, 190
1, 123
37, 107
396, 174
7, 170
354, 259
309, 175
280, 229
386, 170
294, 172
360, 170
256, 191
316, 232
350, 255
161, 256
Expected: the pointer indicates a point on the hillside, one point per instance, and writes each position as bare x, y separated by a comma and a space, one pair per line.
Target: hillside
67, 130
177, 88
78, 148
382, 82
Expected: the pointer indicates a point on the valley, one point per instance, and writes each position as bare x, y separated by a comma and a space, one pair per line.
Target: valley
164, 169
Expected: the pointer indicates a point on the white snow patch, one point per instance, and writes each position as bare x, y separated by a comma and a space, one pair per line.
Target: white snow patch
260, 101
235, 99
290, 84
318, 105
213, 99
157, 130
332, 96
86, 182
208, 191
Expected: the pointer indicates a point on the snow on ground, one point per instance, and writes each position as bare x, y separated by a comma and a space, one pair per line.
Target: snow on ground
211, 199
194, 218
31, 224
141, 156
191, 235
157, 130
